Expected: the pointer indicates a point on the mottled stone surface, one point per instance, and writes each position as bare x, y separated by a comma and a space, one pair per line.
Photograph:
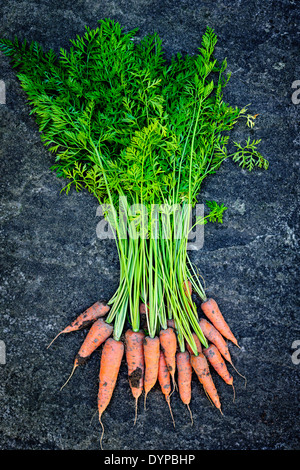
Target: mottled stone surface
53, 266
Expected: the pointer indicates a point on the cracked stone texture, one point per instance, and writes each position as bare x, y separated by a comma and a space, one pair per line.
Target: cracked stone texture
53, 266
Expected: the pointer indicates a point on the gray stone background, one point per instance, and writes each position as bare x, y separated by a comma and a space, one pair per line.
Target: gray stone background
53, 266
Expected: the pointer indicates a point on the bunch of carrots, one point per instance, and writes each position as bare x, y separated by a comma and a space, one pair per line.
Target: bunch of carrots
155, 359
141, 134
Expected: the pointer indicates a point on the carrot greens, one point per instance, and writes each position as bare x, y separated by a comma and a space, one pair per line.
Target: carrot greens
141, 134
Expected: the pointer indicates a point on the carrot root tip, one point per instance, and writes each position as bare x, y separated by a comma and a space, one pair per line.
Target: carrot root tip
135, 411
175, 387
169, 405
102, 434
191, 415
54, 339
145, 398
73, 370
233, 393
239, 374
208, 397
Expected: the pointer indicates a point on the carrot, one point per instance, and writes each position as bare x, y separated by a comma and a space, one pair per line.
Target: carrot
98, 333
184, 378
135, 363
198, 344
212, 312
201, 367
216, 360
111, 358
187, 287
164, 379
97, 310
168, 343
144, 309
171, 323
151, 357
213, 335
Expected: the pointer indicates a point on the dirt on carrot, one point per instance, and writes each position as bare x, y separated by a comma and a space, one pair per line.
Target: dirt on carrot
168, 344
135, 362
97, 334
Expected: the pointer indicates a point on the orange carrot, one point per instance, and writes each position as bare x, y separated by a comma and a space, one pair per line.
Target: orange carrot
135, 363
144, 309
97, 310
164, 379
216, 360
151, 357
201, 367
98, 333
111, 358
187, 287
144, 316
184, 378
213, 335
168, 343
212, 312
198, 344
